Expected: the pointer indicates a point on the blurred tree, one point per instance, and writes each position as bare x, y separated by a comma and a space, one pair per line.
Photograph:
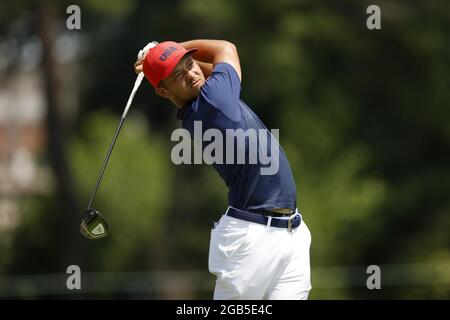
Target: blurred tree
135, 192
68, 204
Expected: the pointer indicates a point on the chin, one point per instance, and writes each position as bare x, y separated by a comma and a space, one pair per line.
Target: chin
196, 90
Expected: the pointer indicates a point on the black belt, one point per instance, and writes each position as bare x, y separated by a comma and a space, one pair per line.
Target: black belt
290, 223
271, 213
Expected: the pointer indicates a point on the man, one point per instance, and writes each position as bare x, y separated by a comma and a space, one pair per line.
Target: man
259, 249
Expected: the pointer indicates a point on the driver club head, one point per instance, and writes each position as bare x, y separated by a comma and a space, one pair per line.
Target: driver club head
93, 225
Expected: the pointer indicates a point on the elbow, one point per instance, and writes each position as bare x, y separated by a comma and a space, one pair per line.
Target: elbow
230, 47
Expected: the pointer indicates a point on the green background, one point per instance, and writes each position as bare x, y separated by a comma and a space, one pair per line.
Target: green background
363, 118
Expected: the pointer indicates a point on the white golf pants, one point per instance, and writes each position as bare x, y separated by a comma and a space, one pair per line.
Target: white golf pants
255, 262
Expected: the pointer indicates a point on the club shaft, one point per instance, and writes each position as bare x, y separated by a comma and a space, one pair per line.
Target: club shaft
105, 162
137, 83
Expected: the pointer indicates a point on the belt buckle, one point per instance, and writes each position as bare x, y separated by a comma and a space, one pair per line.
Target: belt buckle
290, 224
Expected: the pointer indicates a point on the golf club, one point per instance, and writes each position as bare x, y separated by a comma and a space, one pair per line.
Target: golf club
93, 225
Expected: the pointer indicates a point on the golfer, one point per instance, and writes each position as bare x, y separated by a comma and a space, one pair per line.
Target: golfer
259, 249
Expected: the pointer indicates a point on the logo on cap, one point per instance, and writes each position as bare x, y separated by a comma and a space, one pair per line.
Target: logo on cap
167, 53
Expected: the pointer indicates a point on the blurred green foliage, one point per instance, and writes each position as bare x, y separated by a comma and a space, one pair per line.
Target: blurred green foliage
363, 118
134, 195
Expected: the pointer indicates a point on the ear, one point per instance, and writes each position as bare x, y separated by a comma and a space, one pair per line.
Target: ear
162, 92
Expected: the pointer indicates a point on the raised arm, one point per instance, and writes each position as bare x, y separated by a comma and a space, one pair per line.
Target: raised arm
214, 52
207, 68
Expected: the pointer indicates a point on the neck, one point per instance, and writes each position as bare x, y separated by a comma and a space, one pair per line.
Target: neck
179, 103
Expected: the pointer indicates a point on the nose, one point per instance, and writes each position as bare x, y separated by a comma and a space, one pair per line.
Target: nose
191, 74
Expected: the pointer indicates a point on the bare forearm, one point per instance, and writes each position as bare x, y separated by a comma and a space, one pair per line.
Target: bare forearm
210, 53
207, 68
214, 52
204, 55
208, 50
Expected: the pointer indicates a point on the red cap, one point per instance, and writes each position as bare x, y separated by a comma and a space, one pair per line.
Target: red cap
162, 59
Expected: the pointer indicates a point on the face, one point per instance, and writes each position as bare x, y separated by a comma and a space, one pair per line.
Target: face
184, 83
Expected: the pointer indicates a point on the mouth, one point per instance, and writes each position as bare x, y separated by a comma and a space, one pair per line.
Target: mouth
196, 83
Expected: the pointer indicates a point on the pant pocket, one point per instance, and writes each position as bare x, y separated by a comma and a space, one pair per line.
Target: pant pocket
228, 244
217, 223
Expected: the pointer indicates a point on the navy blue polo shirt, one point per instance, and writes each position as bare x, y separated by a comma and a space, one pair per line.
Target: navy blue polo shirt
219, 106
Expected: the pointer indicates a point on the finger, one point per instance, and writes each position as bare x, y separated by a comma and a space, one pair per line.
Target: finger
138, 62
138, 69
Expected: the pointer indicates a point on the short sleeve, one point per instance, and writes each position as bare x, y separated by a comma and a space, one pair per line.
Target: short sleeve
222, 90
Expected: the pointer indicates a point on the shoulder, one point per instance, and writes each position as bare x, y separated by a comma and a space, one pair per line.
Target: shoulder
221, 92
222, 79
